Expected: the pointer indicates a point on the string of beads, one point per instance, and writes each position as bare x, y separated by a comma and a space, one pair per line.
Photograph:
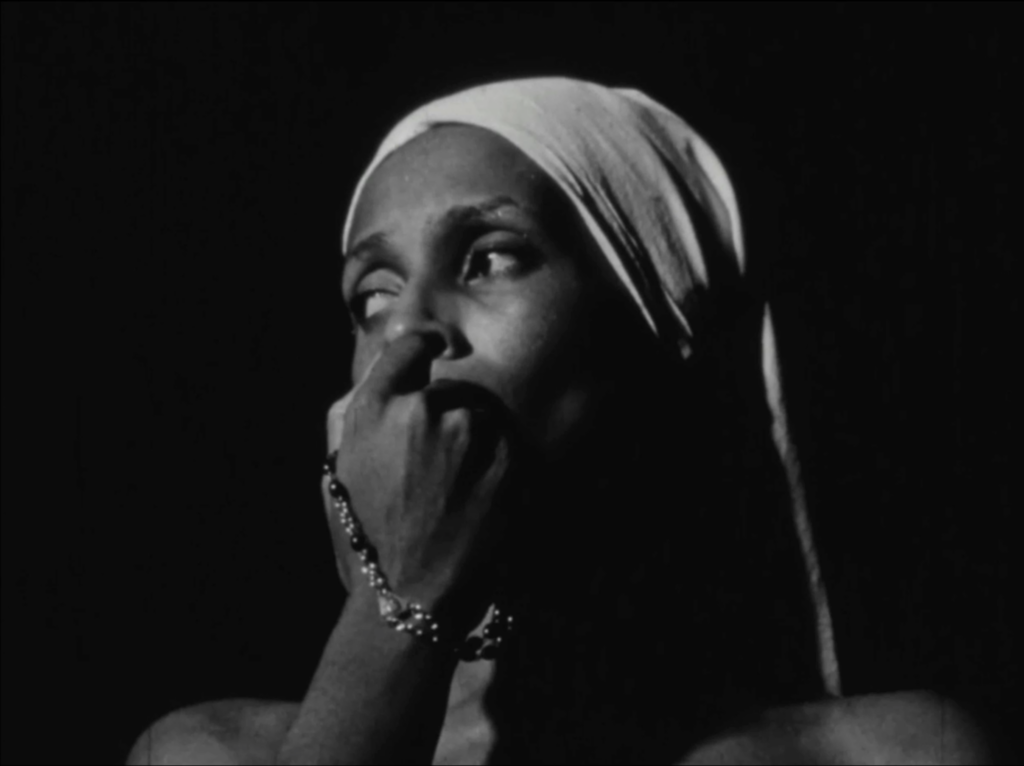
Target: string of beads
401, 614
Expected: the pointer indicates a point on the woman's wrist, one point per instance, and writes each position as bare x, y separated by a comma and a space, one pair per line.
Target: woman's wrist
453, 617
378, 695
362, 614
362, 599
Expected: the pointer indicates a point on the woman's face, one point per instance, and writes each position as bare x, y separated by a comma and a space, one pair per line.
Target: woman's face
459, 234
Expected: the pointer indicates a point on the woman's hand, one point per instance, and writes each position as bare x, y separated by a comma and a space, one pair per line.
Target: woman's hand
428, 474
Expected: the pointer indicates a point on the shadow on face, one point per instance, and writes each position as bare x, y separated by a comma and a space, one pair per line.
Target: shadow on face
461, 235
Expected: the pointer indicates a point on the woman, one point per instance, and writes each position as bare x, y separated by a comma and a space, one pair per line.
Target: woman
569, 408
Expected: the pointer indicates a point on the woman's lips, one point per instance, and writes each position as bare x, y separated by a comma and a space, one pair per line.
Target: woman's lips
457, 393
465, 392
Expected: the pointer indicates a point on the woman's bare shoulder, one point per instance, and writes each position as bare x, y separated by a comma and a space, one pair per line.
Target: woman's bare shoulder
902, 727
233, 731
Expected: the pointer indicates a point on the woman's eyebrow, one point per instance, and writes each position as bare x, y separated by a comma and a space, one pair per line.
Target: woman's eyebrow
461, 214
454, 216
358, 252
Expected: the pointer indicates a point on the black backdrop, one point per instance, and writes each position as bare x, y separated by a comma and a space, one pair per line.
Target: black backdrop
174, 177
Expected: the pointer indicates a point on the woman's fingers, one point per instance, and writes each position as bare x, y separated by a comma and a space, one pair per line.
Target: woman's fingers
427, 449
462, 406
392, 371
403, 366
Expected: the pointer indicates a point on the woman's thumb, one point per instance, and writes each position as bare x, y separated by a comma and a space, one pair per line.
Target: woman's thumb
336, 415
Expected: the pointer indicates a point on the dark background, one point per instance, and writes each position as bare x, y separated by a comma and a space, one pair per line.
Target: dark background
174, 178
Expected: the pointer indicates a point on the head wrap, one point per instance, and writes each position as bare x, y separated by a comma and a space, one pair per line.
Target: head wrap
660, 206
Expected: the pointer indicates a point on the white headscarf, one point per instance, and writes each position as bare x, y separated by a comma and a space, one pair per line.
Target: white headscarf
638, 176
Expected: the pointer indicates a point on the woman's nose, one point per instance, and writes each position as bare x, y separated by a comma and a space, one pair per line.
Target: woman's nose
417, 315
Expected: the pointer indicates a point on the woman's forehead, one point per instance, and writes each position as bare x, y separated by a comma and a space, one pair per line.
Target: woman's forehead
447, 166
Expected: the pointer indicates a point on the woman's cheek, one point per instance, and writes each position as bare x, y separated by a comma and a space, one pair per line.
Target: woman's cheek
536, 363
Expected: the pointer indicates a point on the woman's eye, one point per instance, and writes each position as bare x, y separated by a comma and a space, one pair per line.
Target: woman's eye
365, 305
494, 262
482, 263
